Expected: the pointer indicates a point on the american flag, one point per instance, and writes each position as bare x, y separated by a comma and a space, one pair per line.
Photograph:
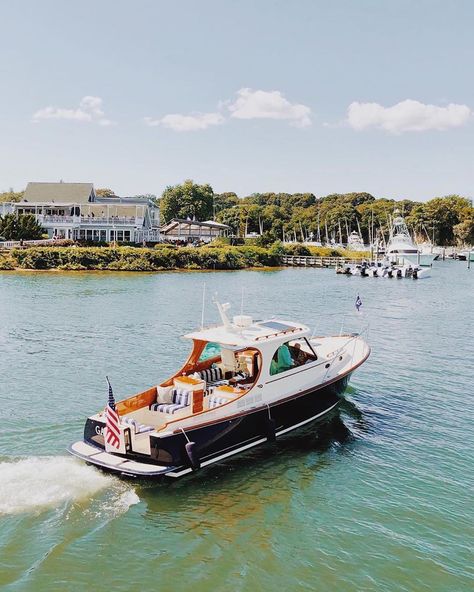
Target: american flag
358, 303
112, 430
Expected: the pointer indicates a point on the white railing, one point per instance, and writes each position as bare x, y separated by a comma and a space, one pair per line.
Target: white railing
59, 219
112, 221
31, 243
103, 220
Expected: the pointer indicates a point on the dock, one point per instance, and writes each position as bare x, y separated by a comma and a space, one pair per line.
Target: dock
310, 261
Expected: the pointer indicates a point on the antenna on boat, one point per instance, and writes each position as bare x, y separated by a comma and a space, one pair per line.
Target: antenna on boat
203, 304
242, 302
222, 308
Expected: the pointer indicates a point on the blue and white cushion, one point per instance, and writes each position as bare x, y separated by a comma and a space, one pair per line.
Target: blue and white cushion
212, 375
139, 428
181, 399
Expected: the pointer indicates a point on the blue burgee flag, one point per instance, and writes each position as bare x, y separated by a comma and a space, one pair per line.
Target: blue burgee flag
358, 303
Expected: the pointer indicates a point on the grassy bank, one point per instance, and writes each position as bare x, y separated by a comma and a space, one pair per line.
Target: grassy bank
161, 257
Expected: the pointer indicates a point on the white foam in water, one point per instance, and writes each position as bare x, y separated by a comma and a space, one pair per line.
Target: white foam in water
39, 483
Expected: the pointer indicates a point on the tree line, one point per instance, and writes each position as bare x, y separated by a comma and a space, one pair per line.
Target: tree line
444, 220
447, 220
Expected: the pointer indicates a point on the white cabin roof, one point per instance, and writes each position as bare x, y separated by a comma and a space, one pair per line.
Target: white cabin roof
252, 336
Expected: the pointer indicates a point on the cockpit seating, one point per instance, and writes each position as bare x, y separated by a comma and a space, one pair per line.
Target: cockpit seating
180, 400
212, 375
139, 428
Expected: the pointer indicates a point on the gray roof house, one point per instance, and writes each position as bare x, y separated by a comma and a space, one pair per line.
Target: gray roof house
77, 193
74, 211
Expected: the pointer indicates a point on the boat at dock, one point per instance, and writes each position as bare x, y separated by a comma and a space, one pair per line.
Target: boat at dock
355, 242
466, 255
384, 269
401, 248
244, 383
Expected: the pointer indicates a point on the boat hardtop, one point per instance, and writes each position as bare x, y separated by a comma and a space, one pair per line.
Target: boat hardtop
241, 377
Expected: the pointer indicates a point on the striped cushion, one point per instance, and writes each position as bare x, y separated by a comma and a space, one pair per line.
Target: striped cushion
139, 428
212, 374
164, 408
181, 399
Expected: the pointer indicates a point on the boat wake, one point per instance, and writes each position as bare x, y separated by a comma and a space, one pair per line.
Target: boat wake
35, 484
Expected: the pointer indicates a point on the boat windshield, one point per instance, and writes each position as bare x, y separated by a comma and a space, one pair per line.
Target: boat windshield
292, 354
211, 350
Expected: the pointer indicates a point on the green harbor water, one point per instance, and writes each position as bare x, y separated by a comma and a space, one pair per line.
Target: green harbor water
380, 499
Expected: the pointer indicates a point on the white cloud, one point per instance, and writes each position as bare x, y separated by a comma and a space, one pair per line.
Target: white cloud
407, 116
89, 110
260, 104
187, 123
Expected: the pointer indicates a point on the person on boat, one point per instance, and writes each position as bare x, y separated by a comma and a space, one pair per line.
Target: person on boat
298, 355
281, 360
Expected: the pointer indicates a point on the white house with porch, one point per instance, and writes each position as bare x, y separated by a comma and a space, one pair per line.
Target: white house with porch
74, 211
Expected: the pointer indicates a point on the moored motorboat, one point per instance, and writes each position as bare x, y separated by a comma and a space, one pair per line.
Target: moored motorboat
384, 269
401, 248
244, 383
468, 254
355, 242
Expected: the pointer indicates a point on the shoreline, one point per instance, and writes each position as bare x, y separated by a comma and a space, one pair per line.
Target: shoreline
151, 260
55, 270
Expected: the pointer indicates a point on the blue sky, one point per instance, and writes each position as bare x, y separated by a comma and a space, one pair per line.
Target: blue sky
337, 96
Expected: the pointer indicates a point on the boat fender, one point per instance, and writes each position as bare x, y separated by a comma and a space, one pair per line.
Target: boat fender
193, 456
270, 429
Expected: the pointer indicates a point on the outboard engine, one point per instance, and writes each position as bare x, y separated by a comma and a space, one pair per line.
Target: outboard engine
399, 273
415, 274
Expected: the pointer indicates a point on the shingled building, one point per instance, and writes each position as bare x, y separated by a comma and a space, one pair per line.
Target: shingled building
74, 211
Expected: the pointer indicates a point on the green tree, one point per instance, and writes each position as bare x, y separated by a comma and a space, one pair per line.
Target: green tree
443, 213
23, 227
11, 195
188, 200
105, 192
231, 217
222, 201
464, 232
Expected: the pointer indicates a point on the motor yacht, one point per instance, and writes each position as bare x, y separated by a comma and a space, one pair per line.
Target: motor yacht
244, 383
355, 242
401, 249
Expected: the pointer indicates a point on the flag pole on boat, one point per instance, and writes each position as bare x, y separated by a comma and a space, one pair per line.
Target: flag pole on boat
203, 304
